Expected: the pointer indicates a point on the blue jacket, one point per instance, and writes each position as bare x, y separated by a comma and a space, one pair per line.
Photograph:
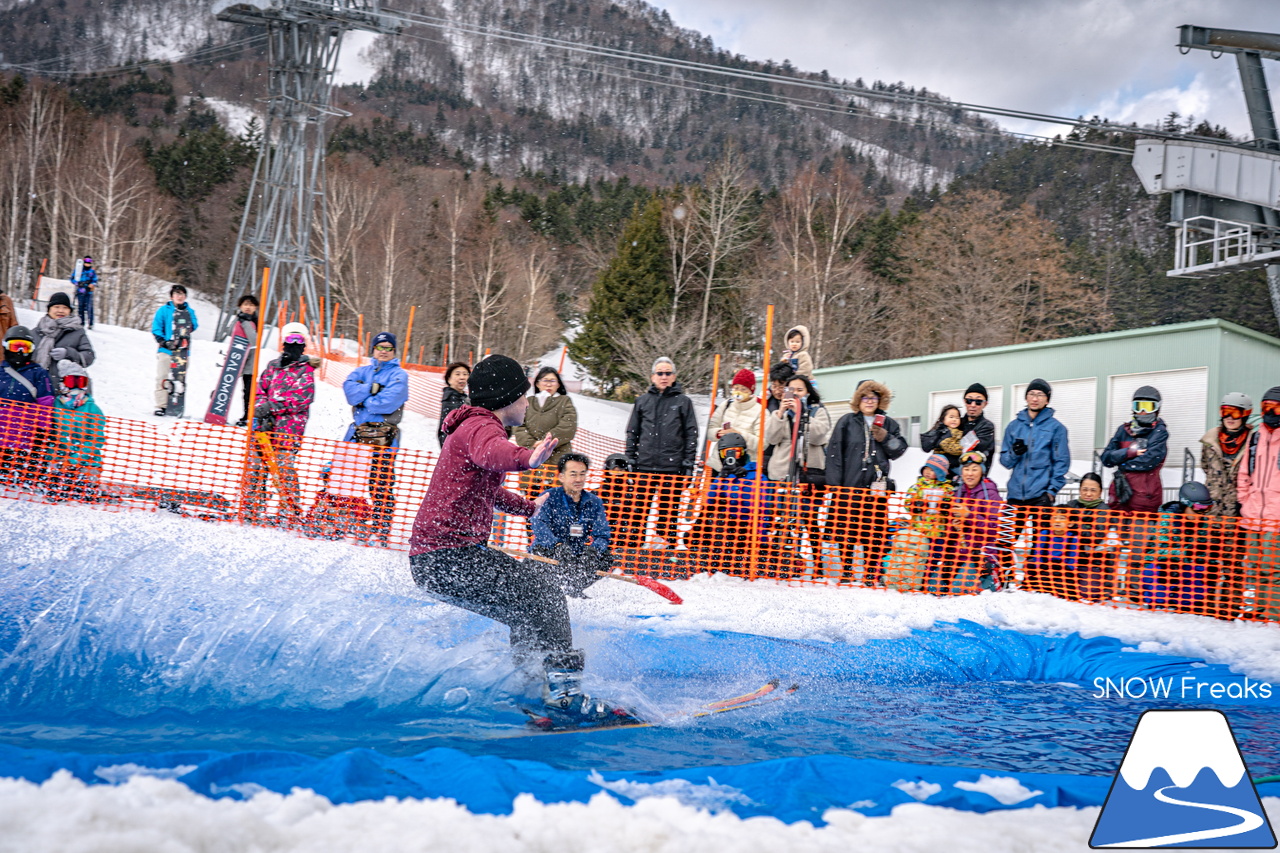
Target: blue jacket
730, 497
162, 324
87, 281
371, 407
1116, 453
1043, 468
551, 523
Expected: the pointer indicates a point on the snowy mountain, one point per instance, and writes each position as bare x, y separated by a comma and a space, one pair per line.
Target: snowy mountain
521, 107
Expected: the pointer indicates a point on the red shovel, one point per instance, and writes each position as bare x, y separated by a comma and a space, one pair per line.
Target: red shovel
640, 580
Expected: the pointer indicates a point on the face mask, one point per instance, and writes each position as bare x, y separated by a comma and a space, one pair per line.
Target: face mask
1272, 421
18, 359
742, 395
292, 353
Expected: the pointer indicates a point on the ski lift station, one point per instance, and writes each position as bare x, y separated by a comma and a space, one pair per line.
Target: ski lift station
1093, 379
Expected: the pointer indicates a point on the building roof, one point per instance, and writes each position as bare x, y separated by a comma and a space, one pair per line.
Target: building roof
1172, 328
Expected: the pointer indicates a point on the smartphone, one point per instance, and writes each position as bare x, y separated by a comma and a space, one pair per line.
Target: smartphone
878, 420
725, 425
788, 394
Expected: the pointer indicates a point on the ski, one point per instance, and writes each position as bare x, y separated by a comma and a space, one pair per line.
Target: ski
764, 695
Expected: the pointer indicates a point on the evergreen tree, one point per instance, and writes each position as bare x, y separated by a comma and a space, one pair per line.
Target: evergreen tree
635, 286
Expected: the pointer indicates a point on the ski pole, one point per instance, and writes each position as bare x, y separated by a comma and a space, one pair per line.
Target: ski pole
641, 580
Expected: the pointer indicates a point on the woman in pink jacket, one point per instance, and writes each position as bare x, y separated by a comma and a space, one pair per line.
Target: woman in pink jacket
286, 391
1258, 489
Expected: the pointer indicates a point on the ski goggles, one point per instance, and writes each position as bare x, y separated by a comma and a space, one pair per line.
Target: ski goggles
76, 381
1200, 507
1234, 412
384, 348
1146, 407
1271, 407
20, 346
735, 454
295, 338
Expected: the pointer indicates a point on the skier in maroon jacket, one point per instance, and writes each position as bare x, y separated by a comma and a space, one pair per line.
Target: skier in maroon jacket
449, 556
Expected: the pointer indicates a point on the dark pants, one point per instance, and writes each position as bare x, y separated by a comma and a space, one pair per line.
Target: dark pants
519, 595
1011, 528
578, 566
866, 511
246, 380
667, 488
382, 481
84, 307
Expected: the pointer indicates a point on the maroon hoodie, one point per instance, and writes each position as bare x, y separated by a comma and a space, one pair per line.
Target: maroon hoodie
466, 484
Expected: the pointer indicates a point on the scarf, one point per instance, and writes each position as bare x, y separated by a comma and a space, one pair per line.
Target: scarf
1090, 504
1231, 442
50, 330
74, 399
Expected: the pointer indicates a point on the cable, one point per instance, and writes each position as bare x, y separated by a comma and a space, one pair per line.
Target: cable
203, 53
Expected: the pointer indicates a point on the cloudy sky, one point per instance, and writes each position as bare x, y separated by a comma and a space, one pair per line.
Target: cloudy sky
1114, 58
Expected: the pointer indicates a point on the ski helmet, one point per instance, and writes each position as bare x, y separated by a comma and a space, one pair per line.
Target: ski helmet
1195, 496
1239, 401
732, 449
289, 329
1146, 405
616, 462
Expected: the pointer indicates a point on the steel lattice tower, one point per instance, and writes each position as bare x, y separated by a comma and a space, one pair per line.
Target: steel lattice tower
284, 226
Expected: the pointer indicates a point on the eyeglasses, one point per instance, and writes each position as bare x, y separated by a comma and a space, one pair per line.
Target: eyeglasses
1146, 407
299, 339
974, 401
19, 346
76, 381
872, 398
1235, 412
664, 373
384, 348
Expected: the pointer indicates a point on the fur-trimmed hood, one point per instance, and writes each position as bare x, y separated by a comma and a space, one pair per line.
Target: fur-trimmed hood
804, 337
886, 397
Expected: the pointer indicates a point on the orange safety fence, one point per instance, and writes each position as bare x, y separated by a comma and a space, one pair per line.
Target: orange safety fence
666, 525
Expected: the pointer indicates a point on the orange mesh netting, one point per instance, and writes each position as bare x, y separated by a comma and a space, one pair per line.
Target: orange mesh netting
666, 525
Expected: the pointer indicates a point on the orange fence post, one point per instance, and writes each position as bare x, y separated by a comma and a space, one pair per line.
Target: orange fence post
715, 388
563, 350
302, 310
253, 397
333, 323
421, 352
35, 293
323, 313
408, 334
282, 313
758, 494
360, 350
471, 357
445, 360
486, 352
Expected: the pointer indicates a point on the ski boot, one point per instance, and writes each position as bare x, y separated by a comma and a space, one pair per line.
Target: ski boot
565, 706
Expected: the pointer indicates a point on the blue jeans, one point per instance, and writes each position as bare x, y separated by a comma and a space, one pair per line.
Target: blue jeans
84, 305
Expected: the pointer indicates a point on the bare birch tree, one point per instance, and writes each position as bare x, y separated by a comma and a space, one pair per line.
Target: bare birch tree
724, 229
488, 281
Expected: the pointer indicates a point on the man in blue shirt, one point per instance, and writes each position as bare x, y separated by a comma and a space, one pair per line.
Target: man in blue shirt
171, 327
377, 393
571, 527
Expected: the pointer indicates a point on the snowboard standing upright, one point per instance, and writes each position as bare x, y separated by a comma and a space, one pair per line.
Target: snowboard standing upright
239, 347
176, 384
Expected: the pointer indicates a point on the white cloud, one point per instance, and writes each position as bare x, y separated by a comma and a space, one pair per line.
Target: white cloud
1114, 58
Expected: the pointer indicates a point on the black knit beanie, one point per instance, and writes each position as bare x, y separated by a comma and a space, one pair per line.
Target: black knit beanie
497, 382
1039, 385
977, 388
59, 298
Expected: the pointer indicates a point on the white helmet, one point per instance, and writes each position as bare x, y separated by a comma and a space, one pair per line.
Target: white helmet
1235, 398
294, 329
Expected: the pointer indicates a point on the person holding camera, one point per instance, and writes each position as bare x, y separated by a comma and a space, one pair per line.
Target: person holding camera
377, 393
859, 455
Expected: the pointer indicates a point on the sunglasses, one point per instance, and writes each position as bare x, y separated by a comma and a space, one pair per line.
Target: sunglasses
20, 346
1146, 407
299, 339
76, 381
384, 348
1235, 412
974, 401
664, 373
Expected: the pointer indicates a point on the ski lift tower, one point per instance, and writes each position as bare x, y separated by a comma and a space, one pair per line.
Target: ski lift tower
1226, 196
284, 218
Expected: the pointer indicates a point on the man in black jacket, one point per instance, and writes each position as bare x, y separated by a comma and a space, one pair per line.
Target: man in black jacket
861, 448
662, 438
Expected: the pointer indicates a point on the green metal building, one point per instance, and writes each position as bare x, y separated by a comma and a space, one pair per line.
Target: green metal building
1093, 379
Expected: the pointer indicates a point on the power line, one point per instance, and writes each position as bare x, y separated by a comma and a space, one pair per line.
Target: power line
202, 54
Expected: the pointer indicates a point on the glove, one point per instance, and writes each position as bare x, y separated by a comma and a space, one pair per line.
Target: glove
376, 388
879, 433
686, 470
172, 343
632, 463
1019, 447
58, 353
262, 410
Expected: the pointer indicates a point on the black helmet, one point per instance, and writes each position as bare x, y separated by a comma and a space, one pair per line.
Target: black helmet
616, 462
1146, 405
732, 449
1195, 495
